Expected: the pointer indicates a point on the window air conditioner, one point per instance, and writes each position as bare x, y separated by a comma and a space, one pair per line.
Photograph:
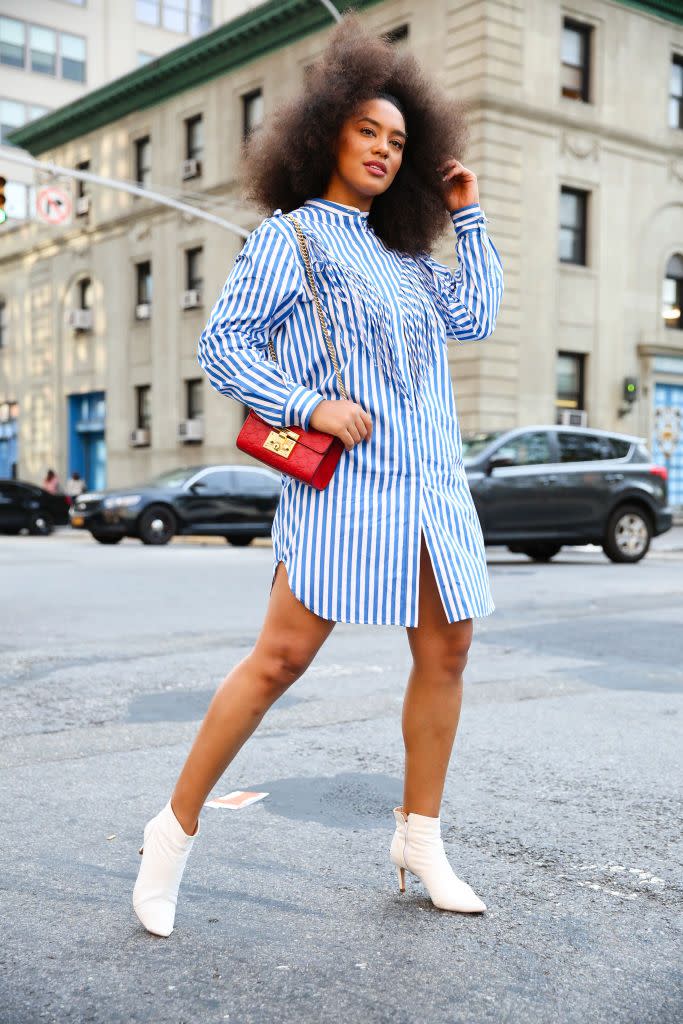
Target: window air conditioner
82, 206
190, 299
191, 431
80, 319
143, 311
574, 418
139, 438
190, 169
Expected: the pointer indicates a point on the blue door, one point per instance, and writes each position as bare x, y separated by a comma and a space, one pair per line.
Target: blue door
87, 446
670, 396
9, 444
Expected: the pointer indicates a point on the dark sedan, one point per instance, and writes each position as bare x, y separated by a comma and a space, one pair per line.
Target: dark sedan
538, 488
28, 507
233, 501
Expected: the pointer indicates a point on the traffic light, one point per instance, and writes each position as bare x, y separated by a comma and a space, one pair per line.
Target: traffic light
3, 211
630, 389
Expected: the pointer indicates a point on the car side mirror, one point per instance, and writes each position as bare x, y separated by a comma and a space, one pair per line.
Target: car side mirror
198, 486
497, 462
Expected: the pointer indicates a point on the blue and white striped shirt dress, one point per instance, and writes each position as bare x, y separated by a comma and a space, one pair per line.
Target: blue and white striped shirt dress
352, 550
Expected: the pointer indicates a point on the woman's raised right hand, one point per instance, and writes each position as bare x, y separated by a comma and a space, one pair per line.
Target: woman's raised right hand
344, 419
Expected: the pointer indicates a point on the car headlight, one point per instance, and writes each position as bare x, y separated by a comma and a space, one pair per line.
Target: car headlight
125, 501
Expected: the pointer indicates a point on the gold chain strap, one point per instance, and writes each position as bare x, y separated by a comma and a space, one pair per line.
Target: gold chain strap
318, 305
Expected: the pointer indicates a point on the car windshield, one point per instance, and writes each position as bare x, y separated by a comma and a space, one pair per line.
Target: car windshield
474, 444
173, 478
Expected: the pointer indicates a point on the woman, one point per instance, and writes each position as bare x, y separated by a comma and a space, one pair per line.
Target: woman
365, 163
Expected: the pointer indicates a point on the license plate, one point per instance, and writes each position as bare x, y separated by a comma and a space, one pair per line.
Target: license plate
77, 520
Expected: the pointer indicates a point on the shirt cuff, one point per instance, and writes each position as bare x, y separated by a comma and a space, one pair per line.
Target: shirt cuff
468, 217
299, 407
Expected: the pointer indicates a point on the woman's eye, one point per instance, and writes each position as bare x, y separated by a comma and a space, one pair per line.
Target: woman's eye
399, 145
367, 130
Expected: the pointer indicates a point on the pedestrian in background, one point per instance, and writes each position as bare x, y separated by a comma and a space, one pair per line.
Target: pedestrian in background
74, 486
51, 482
367, 162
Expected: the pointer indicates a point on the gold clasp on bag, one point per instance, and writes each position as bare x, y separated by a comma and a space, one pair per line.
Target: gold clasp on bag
281, 442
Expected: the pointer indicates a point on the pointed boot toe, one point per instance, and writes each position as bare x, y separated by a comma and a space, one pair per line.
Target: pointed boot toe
417, 847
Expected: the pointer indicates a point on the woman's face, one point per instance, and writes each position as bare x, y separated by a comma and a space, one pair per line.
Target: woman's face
369, 151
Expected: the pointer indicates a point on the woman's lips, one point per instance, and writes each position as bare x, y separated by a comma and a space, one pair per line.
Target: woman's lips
379, 170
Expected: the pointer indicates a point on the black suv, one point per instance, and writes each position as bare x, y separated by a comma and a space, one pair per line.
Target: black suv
236, 502
537, 488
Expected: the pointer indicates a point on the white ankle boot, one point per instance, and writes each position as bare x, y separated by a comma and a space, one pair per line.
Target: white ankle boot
417, 847
164, 855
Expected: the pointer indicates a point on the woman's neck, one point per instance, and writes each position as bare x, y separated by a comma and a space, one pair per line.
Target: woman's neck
339, 192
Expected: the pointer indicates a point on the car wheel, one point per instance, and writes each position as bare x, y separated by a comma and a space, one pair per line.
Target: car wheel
628, 535
238, 540
103, 538
41, 524
156, 525
540, 552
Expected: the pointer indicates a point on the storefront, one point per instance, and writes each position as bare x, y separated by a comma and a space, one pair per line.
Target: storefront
667, 433
9, 439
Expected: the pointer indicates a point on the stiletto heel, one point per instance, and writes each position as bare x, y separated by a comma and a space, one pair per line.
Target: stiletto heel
164, 853
417, 847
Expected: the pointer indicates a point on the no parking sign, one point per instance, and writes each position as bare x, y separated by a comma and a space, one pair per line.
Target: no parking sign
54, 205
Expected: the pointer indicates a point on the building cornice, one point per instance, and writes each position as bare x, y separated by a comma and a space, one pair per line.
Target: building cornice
268, 27
670, 10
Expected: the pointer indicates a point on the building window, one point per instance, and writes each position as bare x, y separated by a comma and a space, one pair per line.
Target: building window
573, 220
144, 58
200, 17
12, 115
184, 16
576, 47
143, 273
12, 42
143, 161
143, 407
3, 323
396, 35
194, 396
193, 269
252, 112
194, 137
43, 49
85, 293
676, 93
569, 377
672, 293
81, 186
72, 51
147, 11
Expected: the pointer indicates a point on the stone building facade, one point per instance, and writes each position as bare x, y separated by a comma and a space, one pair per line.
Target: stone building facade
577, 141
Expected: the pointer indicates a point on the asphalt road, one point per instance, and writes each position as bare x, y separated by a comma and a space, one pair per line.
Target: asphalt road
562, 804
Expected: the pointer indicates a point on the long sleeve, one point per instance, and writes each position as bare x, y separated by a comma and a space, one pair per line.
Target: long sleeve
256, 299
471, 295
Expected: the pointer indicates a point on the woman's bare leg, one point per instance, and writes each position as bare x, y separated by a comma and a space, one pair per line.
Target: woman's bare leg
431, 707
290, 638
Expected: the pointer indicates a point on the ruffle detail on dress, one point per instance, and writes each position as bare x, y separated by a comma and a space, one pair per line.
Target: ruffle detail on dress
421, 307
436, 279
354, 301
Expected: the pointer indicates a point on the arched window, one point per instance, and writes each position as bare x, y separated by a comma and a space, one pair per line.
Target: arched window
672, 292
84, 288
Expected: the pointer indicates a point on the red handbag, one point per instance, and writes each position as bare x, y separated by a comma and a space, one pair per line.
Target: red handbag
309, 455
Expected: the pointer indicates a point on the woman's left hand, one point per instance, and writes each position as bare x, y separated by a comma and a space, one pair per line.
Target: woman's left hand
459, 185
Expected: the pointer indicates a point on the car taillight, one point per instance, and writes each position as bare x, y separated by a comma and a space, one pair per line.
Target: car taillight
659, 471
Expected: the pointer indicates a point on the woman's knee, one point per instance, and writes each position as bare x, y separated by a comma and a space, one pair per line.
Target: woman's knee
280, 665
443, 655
